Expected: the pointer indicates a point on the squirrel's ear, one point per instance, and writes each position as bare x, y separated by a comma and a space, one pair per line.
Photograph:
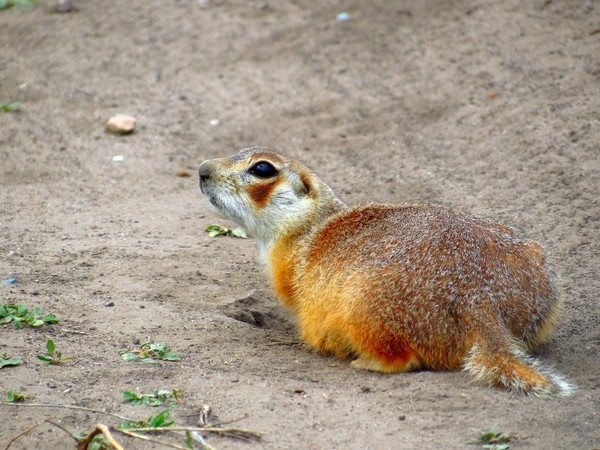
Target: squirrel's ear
303, 184
307, 183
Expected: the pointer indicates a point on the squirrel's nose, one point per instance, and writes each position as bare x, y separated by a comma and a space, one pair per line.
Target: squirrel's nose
204, 171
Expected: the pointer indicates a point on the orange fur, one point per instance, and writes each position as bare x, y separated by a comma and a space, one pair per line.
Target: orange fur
396, 288
283, 270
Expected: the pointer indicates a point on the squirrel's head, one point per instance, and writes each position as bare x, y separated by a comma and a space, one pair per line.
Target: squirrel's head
266, 193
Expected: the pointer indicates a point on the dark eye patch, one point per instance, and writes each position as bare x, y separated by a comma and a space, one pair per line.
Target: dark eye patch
263, 169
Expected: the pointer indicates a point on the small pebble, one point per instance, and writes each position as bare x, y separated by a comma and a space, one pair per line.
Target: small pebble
64, 6
184, 174
342, 17
120, 124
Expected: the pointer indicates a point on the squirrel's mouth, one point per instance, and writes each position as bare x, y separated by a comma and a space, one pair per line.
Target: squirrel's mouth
214, 201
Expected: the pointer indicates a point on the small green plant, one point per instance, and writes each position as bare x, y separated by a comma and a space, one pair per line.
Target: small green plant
149, 352
8, 361
53, 357
5, 4
157, 421
20, 315
9, 107
15, 396
219, 230
494, 439
156, 398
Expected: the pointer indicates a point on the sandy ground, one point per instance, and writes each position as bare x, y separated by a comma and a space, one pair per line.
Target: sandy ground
487, 106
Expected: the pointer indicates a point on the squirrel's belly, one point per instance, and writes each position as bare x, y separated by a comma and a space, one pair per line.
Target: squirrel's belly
340, 316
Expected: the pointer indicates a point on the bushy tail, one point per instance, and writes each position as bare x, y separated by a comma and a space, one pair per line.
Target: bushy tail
515, 371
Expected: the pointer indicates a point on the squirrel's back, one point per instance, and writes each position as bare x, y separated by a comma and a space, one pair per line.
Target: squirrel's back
395, 287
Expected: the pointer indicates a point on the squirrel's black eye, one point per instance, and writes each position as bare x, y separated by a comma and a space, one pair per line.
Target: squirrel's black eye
263, 169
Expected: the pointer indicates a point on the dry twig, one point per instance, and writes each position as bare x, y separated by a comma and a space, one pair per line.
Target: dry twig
22, 433
149, 439
99, 429
239, 433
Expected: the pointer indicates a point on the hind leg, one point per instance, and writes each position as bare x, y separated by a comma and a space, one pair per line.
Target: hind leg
380, 350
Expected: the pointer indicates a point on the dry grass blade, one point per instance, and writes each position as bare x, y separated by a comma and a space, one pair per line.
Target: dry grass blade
133, 434
22, 433
238, 433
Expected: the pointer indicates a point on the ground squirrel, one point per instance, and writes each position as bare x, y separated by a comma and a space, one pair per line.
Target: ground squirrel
394, 288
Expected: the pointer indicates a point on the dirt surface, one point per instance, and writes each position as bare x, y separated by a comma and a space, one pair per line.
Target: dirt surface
487, 106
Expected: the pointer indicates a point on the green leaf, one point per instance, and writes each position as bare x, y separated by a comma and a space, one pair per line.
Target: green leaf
8, 107
36, 323
129, 356
129, 396
127, 425
219, 230
495, 439
153, 401
14, 396
189, 441
44, 358
160, 419
10, 362
215, 230
20, 4
50, 318
239, 233
157, 421
98, 443
50, 347
149, 352
170, 356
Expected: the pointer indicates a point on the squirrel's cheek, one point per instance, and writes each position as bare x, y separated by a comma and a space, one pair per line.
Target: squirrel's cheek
260, 193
